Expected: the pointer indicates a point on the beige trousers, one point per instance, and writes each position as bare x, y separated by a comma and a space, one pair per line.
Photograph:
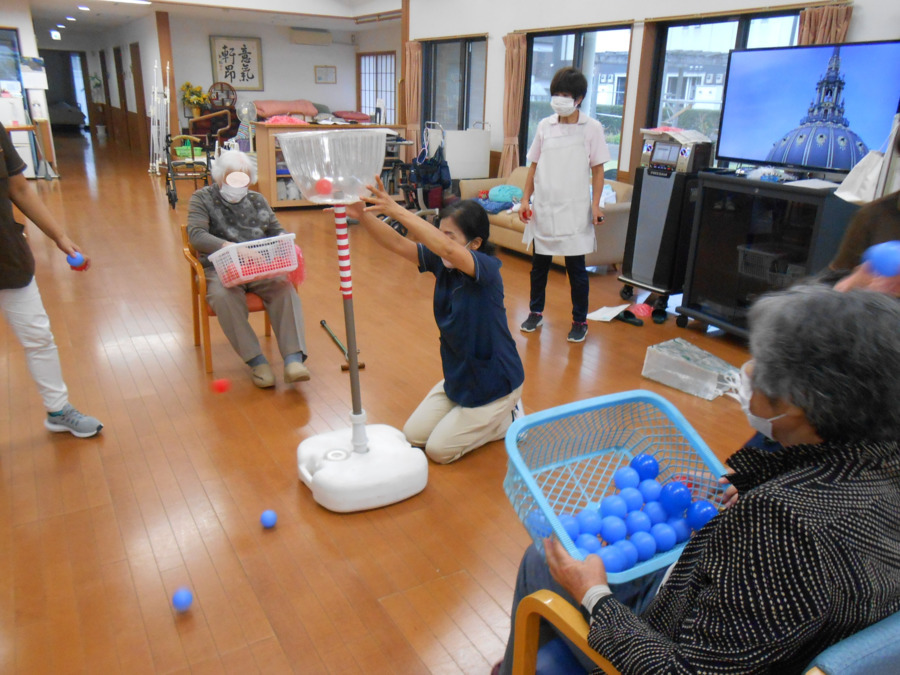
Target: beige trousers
447, 431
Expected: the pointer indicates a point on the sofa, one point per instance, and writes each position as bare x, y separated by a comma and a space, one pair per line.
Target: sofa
507, 229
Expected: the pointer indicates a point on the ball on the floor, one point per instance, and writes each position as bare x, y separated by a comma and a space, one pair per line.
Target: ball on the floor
613, 528
626, 477
650, 489
634, 500
675, 498
323, 186
645, 545
182, 599
646, 466
589, 521
613, 505
268, 518
588, 542
664, 535
700, 513
570, 525
221, 385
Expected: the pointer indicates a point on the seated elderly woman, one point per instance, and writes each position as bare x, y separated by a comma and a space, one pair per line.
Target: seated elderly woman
226, 213
809, 553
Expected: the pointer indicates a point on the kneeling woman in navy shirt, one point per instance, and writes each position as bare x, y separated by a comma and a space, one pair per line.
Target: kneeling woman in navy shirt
479, 396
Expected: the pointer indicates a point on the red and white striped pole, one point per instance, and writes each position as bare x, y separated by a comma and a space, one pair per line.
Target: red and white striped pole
343, 246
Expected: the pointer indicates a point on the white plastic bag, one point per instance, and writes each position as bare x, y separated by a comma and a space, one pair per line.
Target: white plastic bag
684, 366
861, 183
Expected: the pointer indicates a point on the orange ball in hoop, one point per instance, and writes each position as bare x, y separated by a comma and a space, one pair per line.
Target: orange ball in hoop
323, 186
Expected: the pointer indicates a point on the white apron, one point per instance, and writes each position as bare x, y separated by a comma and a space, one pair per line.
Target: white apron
561, 223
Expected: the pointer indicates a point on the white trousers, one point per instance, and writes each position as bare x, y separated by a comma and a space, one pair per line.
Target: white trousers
447, 430
24, 311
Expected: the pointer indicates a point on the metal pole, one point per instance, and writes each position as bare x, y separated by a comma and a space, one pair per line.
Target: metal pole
358, 415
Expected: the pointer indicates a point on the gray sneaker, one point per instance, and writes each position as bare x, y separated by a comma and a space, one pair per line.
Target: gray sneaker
532, 323
74, 422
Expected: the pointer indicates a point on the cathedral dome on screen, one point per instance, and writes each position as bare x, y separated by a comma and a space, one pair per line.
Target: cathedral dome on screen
824, 137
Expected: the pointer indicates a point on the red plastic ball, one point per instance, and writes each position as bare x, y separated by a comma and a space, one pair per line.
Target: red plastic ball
220, 386
323, 186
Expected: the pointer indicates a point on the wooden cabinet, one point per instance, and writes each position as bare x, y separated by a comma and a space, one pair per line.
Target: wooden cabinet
273, 178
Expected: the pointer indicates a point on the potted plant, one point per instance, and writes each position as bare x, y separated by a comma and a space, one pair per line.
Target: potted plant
193, 98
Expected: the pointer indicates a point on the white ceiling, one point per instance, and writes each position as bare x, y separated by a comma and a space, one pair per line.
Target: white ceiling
104, 16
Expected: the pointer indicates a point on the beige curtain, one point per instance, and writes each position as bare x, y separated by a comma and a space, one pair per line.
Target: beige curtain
513, 100
824, 25
413, 94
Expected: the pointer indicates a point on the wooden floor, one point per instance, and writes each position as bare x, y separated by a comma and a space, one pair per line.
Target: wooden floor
95, 535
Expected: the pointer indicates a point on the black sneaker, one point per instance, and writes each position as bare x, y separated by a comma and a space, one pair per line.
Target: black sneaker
532, 323
578, 332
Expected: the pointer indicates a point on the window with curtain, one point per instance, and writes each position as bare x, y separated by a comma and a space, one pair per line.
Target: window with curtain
377, 79
454, 82
693, 59
602, 55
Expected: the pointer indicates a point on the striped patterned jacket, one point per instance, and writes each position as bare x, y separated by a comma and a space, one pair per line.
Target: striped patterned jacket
808, 555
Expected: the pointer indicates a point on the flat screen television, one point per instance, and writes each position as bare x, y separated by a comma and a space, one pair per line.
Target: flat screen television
816, 108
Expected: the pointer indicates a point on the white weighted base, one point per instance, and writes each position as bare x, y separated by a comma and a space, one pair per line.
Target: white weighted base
342, 480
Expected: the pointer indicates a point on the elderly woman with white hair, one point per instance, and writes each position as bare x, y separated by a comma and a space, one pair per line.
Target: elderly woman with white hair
226, 213
809, 553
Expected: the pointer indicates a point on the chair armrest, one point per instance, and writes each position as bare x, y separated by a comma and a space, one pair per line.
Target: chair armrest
197, 269
567, 620
469, 188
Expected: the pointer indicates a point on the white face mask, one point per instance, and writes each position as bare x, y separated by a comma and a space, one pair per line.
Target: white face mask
562, 105
235, 186
745, 391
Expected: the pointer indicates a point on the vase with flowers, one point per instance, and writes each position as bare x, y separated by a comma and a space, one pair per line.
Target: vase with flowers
193, 98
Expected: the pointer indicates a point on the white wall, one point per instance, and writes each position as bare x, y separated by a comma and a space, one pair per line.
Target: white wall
288, 69
872, 20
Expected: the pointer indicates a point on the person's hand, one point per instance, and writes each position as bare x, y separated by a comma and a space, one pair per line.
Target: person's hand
864, 278
596, 214
730, 496
69, 247
354, 210
576, 576
381, 202
525, 213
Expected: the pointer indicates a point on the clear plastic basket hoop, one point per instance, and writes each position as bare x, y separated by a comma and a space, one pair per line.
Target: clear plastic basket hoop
255, 260
334, 167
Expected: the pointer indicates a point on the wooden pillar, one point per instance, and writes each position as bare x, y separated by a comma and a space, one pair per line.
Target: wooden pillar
164, 36
404, 38
641, 105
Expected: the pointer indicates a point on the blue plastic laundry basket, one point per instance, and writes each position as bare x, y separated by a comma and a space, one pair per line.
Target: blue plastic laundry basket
562, 460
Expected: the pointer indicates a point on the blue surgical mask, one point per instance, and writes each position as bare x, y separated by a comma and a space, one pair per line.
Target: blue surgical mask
745, 391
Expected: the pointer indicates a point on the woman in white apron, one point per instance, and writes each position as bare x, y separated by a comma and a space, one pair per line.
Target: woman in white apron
566, 179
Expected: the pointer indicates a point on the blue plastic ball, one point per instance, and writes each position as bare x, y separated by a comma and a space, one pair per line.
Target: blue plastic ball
626, 477
634, 500
884, 258
682, 529
650, 489
613, 505
656, 512
589, 521
675, 498
628, 550
182, 599
75, 260
637, 521
583, 552
268, 518
664, 536
588, 542
612, 559
646, 466
613, 529
570, 525
538, 525
700, 513
645, 545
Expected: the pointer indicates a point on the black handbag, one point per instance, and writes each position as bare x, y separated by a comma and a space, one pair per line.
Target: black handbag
434, 170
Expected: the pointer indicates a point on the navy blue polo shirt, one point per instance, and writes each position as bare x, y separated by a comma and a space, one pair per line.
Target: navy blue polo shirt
478, 354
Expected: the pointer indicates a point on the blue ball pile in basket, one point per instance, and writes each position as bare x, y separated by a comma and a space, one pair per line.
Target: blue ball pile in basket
587, 468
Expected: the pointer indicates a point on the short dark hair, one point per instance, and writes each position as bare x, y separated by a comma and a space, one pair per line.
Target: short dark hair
569, 80
472, 220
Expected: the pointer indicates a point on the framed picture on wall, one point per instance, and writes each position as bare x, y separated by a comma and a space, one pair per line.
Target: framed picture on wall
237, 61
326, 74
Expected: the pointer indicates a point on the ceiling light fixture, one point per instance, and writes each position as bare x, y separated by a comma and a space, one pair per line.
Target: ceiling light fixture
54, 34
84, 9
59, 25
71, 18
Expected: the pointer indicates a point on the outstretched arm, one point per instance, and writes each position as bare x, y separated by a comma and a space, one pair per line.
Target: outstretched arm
23, 196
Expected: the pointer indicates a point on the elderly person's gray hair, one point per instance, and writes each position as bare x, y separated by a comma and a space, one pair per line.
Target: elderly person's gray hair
233, 160
834, 355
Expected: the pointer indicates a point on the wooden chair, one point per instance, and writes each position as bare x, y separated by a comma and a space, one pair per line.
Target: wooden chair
201, 309
875, 650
